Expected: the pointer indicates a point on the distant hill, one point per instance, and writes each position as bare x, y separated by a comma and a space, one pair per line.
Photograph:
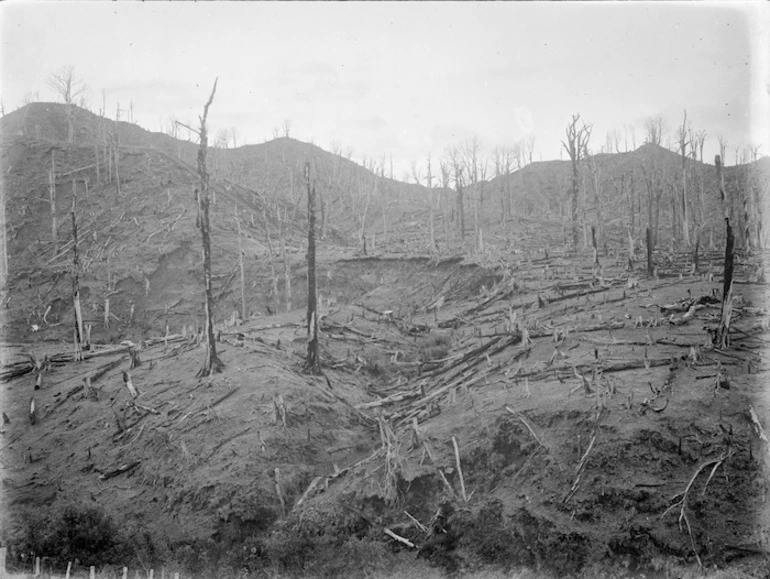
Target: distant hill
274, 169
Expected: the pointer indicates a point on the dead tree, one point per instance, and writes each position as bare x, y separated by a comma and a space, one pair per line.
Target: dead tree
655, 127
683, 144
282, 225
273, 275
116, 148
721, 339
456, 163
312, 363
68, 86
241, 259
429, 182
443, 192
576, 147
52, 201
212, 363
79, 335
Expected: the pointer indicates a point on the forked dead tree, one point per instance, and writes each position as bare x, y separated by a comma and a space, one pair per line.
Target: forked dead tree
312, 363
212, 363
576, 147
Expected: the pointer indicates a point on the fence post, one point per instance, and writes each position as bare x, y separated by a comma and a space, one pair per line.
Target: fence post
69, 569
176, 575
37, 566
125, 572
92, 573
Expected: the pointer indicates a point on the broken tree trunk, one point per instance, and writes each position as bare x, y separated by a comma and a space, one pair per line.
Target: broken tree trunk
312, 363
722, 335
212, 363
649, 252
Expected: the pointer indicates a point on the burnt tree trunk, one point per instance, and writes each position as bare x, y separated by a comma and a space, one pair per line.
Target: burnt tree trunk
312, 363
212, 363
649, 252
723, 331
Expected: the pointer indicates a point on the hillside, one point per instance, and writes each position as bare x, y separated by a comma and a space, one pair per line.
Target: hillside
493, 409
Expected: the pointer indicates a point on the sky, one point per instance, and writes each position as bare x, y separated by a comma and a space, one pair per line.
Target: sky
405, 79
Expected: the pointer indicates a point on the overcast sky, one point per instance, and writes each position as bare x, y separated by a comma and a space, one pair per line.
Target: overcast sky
405, 78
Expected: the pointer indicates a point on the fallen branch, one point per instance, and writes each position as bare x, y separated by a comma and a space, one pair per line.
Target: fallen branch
459, 469
525, 423
400, 539
682, 503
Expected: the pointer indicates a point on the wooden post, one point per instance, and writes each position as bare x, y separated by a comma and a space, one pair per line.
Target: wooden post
69, 570
92, 573
649, 252
125, 572
37, 567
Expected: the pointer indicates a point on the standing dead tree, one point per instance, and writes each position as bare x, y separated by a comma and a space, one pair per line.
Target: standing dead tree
52, 201
241, 260
312, 363
212, 363
655, 128
444, 194
576, 147
429, 184
721, 338
79, 335
456, 163
684, 143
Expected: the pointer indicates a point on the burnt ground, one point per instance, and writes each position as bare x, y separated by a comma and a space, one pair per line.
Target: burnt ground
568, 461
582, 402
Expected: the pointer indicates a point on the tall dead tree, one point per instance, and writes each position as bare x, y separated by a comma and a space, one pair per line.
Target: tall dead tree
429, 183
79, 335
456, 162
283, 223
576, 147
684, 143
312, 363
52, 201
212, 362
116, 148
444, 192
241, 259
